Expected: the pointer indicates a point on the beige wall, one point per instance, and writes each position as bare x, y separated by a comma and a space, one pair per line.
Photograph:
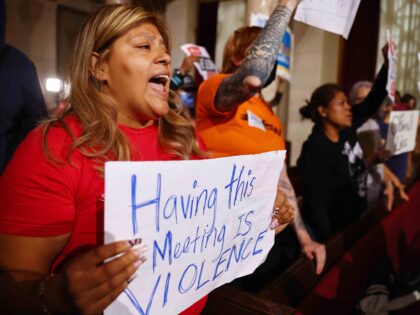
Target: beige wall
315, 62
181, 16
31, 27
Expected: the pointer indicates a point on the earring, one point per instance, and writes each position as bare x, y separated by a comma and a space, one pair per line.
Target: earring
98, 84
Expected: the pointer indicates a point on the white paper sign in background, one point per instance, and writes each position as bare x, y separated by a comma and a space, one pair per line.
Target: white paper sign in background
418, 83
205, 66
205, 223
335, 16
402, 131
392, 67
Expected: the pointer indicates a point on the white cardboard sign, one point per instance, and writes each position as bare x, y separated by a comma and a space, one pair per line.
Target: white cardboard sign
335, 16
418, 82
402, 131
205, 222
392, 68
205, 66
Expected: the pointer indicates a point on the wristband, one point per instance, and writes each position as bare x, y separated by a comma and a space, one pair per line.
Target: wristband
41, 294
177, 80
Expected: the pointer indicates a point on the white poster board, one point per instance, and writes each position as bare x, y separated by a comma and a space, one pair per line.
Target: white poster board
392, 68
335, 16
402, 131
205, 223
205, 66
418, 82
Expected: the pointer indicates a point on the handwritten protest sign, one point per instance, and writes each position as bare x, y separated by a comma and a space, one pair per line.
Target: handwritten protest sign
205, 223
392, 67
205, 66
335, 16
402, 131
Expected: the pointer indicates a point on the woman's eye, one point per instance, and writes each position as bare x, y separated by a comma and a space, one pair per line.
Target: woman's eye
144, 46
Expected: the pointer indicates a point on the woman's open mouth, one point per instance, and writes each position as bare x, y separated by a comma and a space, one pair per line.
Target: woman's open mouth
158, 84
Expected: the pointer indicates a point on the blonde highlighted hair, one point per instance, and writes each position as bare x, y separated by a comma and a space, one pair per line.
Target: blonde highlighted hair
237, 46
101, 139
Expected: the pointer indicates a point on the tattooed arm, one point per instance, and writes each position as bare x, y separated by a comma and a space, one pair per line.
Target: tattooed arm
310, 248
258, 63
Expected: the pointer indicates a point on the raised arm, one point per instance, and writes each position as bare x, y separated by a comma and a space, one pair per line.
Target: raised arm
259, 61
376, 96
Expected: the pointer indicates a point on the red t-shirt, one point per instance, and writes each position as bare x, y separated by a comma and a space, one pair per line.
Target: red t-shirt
40, 198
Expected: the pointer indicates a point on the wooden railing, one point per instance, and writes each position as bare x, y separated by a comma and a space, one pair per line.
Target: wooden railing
298, 287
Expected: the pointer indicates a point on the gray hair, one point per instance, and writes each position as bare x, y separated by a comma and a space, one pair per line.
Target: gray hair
357, 86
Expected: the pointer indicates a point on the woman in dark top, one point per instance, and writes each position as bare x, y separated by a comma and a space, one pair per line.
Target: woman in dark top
332, 161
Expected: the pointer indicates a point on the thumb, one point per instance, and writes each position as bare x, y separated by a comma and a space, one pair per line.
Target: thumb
252, 83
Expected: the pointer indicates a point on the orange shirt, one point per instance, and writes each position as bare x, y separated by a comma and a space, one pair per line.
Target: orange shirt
249, 129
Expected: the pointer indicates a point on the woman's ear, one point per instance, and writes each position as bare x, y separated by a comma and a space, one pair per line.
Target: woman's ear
322, 111
97, 69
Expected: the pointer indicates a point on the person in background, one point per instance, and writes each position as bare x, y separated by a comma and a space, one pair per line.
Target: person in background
184, 85
409, 100
233, 119
396, 163
397, 96
22, 104
331, 160
177, 79
380, 178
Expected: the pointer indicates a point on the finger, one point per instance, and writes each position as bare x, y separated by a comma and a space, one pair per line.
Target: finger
99, 254
103, 273
252, 83
287, 215
321, 257
403, 195
390, 201
115, 282
274, 223
280, 199
96, 307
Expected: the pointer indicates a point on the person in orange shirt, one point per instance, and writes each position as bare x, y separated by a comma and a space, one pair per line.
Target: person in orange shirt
233, 119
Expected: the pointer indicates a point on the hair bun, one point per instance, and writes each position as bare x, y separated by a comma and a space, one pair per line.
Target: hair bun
306, 111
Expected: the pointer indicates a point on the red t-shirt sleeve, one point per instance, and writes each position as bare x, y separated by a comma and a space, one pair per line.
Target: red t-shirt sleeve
37, 195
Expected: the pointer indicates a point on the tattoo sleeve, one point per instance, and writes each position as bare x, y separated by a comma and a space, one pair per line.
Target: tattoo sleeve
259, 62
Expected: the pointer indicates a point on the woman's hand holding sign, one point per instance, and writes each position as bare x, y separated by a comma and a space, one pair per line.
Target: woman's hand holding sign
94, 284
283, 213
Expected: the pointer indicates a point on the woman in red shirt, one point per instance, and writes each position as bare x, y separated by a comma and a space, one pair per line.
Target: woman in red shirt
52, 256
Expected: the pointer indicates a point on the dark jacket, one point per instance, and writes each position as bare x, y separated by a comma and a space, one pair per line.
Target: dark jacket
335, 173
22, 104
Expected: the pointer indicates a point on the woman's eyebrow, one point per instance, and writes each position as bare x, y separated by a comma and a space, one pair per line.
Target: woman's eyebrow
147, 36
